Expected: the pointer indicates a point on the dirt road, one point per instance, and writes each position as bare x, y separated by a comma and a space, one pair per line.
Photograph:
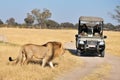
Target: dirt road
91, 63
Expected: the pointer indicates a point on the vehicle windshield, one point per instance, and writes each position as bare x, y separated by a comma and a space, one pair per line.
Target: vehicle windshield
91, 29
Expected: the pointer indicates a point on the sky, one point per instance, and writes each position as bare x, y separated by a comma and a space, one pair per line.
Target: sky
62, 10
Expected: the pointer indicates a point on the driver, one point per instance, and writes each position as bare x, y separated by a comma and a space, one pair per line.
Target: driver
96, 29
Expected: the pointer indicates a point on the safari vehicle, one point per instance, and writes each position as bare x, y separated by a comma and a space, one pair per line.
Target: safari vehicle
90, 36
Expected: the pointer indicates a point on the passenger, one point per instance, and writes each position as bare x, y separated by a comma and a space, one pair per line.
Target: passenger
84, 29
96, 29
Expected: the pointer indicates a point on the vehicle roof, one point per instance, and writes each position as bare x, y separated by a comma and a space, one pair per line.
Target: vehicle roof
91, 19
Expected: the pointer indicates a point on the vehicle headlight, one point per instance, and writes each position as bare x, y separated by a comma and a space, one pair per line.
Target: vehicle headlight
81, 42
101, 43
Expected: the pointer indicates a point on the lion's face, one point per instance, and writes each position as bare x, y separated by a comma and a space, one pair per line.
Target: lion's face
59, 50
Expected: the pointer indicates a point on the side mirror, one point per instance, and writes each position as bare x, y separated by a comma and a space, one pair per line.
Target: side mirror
105, 37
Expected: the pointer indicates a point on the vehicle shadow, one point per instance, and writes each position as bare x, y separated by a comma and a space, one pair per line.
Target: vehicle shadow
85, 54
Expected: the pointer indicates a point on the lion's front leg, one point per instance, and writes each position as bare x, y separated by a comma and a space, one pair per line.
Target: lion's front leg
51, 64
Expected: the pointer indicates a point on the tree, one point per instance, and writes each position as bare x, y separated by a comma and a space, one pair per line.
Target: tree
109, 26
67, 25
52, 24
29, 20
76, 25
41, 17
117, 15
1, 22
11, 21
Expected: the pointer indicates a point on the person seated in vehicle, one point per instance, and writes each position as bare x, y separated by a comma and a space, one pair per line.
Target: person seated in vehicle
84, 29
96, 30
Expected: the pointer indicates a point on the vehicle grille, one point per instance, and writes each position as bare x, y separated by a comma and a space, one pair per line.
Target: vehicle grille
91, 42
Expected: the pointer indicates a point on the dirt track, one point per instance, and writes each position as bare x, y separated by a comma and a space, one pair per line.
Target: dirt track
91, 63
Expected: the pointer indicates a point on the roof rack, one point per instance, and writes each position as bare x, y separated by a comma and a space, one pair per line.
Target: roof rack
91, 19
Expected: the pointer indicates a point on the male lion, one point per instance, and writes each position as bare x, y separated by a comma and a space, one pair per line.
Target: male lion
46, 52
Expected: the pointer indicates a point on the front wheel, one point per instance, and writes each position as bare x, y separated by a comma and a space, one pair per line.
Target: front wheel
78, 52
102, 53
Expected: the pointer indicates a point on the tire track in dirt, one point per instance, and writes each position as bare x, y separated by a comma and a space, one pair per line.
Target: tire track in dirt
90, 64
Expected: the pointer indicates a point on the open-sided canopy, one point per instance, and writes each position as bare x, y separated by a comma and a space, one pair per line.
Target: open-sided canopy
91, 19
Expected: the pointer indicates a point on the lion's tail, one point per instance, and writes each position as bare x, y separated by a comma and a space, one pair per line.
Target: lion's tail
10, 59
19, 58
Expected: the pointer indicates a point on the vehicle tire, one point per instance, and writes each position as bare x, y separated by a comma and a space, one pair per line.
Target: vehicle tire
76, 43
79, 52
102, 53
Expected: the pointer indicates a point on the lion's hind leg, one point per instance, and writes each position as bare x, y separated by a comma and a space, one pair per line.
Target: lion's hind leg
23, 60
44, 61
26, 59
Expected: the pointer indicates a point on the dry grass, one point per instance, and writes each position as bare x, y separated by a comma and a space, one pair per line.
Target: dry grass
34, 71
113, 42
23, 36
100, 73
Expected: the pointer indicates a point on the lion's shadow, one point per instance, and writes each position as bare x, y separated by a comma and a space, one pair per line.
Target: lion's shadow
39, 62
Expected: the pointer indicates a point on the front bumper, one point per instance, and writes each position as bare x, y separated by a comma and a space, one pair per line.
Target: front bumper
86, 47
